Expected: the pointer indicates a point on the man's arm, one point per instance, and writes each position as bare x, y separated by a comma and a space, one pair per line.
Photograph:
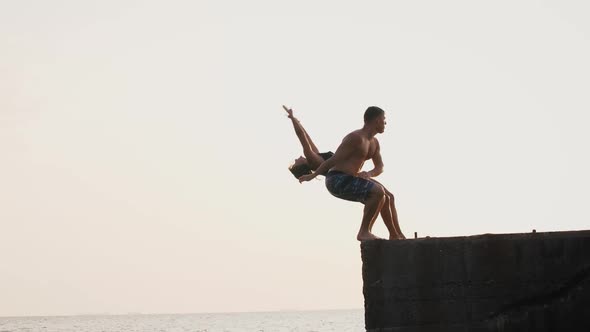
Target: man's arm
377, 162
349, 144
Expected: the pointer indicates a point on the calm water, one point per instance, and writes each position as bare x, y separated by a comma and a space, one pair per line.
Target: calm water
301, 321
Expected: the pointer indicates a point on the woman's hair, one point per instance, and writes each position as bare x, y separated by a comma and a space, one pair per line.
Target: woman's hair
300, 170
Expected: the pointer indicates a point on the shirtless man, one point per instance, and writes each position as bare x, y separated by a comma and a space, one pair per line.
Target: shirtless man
346, 181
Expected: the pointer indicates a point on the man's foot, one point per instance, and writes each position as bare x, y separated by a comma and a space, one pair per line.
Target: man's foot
367, 236
397, 237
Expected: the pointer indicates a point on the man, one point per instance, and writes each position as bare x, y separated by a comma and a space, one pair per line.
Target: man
346, 181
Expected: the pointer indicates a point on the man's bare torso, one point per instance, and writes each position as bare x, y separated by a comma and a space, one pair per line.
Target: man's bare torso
361, 149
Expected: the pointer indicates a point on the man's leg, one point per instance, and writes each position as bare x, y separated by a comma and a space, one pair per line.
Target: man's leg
389, 215
394, 214
388, 219
373, 205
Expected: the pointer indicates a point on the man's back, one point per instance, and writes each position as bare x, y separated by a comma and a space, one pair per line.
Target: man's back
358, 148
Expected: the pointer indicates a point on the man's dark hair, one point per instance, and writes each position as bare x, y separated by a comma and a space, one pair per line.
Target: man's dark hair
373, 112
300, 170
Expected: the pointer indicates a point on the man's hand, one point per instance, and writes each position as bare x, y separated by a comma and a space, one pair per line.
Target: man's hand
289, 112
306, 177
364, 175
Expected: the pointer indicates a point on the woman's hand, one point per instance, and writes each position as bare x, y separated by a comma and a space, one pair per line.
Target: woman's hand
289, 112
306, 177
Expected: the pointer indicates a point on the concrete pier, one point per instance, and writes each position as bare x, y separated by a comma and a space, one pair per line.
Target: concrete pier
495, 282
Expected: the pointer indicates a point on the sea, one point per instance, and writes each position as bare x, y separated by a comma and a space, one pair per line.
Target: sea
279, 321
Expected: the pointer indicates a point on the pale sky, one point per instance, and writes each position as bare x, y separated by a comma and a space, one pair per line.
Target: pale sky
145, 151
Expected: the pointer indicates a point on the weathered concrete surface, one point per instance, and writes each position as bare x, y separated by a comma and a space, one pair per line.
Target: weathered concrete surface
531, 282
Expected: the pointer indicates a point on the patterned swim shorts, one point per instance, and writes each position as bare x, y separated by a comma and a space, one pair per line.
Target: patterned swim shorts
348, 187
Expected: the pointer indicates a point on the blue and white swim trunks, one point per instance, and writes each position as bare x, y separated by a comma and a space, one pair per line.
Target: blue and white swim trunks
348, 187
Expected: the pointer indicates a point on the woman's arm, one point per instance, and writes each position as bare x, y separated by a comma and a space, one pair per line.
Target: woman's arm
310, 151
313, 147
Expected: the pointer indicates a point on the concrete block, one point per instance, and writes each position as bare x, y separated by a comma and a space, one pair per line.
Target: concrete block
505, 282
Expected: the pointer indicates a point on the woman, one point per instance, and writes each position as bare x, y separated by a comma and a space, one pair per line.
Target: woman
313, 159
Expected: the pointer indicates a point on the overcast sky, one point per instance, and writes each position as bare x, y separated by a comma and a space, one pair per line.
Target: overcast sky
144, 150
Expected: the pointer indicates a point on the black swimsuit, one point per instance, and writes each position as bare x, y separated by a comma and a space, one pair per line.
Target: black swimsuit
326, 156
